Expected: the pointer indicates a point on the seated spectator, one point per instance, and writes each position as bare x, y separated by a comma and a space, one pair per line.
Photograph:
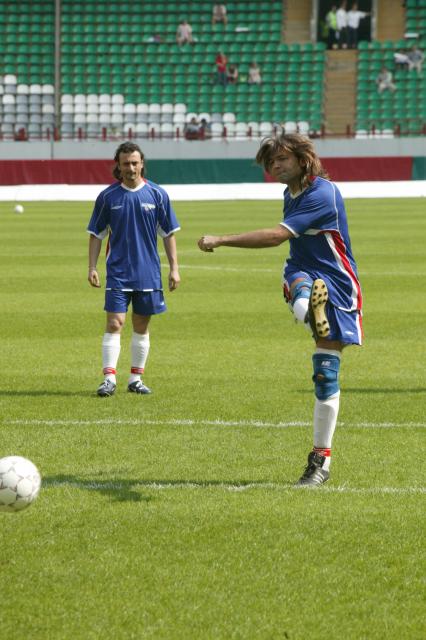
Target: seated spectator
184, 33
221, 64
254, 76
219, 14
155, 38
191, 129
385, 80
415, 59
204, 130
401, 59
232, 75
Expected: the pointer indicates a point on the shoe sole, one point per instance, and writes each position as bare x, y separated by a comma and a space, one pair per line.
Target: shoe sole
317, 316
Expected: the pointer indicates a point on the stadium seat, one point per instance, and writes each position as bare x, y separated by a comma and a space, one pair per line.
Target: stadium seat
290, 126
216, 130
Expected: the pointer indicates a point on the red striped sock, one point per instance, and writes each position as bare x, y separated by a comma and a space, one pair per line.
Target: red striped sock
326, 453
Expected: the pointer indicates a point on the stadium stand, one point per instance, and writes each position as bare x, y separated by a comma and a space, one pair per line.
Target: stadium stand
415, 18
384, 114
94, 37
27, 31
121, 72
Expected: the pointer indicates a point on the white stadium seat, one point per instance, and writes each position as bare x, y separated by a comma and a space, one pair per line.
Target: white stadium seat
142, 107
290, 127
179, 107
229, 117
167, 130
154, 107
166, 107
303, 127
142, 130
265, 128
216, 130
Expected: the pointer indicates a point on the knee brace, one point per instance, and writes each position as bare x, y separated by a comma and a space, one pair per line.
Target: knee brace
326, 375
302, 289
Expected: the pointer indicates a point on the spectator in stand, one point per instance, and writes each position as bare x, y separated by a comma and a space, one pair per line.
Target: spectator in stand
331, 20
232, 75
191, 129
254, 76
415, 59
342, 26
204, 130
219, 14
385, 81
221, 64
401, 59
354, 18
184, 33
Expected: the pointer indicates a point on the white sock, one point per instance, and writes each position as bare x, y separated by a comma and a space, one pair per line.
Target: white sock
139, 351
300, 309
110, 352
325, 419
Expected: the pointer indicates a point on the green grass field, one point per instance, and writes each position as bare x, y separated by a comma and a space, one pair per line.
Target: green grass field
173, 516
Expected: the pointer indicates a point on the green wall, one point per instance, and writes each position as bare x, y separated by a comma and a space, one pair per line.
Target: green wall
203, 171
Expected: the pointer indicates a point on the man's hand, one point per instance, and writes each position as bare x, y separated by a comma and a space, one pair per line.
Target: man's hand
93, 278
209, 243
174, 279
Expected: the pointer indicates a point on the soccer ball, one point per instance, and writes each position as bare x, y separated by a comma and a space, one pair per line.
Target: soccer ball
20, 483
19, 208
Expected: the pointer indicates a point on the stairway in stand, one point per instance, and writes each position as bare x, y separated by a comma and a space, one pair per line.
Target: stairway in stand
297, 20
340, 91
390, 20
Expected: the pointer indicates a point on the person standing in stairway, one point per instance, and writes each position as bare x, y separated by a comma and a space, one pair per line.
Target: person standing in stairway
342, 26
354, 19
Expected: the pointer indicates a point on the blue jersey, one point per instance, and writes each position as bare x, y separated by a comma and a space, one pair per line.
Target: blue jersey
132, 218
321, 246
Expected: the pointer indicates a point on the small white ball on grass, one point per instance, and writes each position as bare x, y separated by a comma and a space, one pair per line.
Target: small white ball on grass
19, 208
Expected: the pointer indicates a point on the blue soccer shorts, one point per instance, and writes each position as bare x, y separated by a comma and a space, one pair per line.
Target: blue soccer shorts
144, 303
345, 326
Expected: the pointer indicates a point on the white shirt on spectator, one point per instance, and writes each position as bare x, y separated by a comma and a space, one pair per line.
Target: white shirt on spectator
354, 18
342, 19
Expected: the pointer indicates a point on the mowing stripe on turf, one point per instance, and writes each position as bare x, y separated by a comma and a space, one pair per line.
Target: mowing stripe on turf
212, 423
161, 486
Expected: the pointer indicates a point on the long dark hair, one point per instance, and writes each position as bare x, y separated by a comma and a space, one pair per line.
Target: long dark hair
302, 148
126, 147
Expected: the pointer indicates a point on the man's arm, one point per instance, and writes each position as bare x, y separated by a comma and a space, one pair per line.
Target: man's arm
259, 239
171, 252
94, 250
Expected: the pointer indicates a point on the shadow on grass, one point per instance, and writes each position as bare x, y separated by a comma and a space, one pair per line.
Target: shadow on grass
129, 490
119, 490
47, 392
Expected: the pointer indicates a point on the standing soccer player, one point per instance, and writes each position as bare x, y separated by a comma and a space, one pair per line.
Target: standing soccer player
131, 212
320, 276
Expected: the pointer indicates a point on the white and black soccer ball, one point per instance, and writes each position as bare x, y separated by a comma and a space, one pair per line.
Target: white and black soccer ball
20, 483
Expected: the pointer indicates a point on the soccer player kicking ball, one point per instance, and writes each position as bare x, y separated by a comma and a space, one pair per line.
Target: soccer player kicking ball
320, 276
131, 212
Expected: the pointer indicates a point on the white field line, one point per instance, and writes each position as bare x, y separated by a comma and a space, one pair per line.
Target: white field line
209, 423
234, 269
362, 274
162, 486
